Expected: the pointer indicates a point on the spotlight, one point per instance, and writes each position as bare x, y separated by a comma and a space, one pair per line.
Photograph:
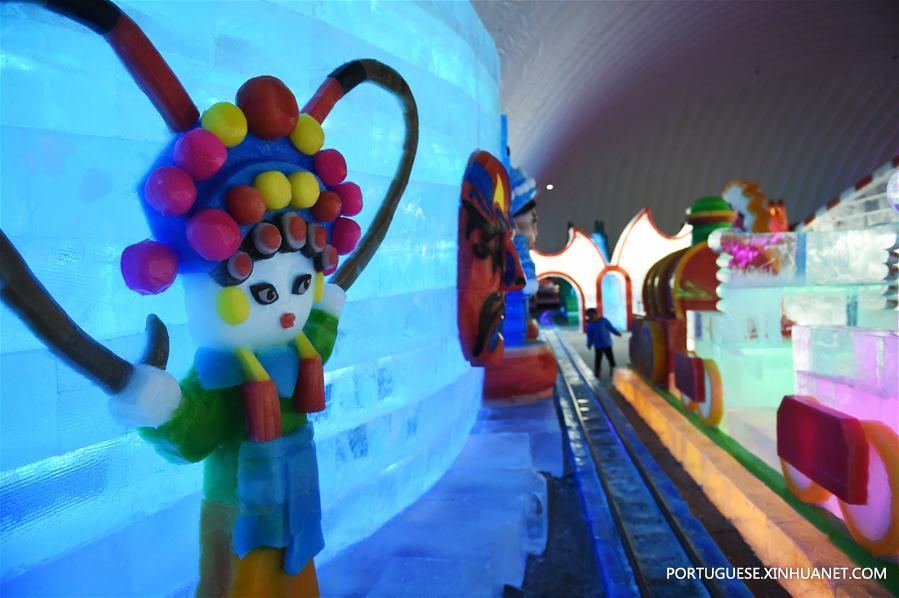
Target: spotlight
549, 187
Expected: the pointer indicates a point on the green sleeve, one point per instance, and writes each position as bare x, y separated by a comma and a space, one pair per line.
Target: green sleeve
204, 420
321, 330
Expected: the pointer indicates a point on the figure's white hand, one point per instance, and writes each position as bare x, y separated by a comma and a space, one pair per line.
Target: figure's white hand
333, 299
149, 399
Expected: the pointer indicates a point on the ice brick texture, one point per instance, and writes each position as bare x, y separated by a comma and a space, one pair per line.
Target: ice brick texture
849, 257
856, 372
865, 204
772, 283
77, 492
472, 533
852, 370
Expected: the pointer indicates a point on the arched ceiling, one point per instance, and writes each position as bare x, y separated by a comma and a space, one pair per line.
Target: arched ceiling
623, 105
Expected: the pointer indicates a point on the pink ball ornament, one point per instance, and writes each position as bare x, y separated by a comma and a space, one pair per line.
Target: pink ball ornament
170, 191
345, 235
149, 267
200, 153
350, 198
213, 234
330, 167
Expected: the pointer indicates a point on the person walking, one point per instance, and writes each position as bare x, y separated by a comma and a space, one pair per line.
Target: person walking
600, 340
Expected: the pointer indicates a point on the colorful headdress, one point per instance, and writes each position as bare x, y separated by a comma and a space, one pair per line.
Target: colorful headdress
249, 182
487, 189
524, 191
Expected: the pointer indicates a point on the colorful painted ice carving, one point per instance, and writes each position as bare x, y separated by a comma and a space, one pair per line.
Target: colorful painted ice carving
755, 212
488, 264
611, 286
768, 284
527, 370
681, 281
641, 245
807, 324
579, 263
246, 207
524, 221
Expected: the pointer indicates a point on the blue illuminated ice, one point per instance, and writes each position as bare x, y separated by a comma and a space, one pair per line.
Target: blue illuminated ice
472, 533
78, 492
772, 283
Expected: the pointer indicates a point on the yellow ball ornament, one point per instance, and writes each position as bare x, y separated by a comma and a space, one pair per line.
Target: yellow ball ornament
227, 122
307, 136
232, 305
304, 189
274, 188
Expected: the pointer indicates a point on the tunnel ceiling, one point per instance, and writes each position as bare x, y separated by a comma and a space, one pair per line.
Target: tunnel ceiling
622, 105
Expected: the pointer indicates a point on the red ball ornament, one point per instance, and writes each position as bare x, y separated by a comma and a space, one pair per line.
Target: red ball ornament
245, 204
213, 234
269, 106
200, 153
330, 167
149, 267
350, 198
170, 191
327, 208
345, 235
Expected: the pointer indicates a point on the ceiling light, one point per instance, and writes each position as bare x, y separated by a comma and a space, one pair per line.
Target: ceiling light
549, 187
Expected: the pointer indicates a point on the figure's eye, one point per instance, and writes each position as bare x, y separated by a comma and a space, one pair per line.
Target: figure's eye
301, 284
264, 293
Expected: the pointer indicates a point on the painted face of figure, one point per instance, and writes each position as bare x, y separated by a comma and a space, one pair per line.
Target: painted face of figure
268, 308
488, 263
526, 226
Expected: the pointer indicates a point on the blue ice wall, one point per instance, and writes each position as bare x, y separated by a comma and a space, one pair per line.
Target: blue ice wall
85, 507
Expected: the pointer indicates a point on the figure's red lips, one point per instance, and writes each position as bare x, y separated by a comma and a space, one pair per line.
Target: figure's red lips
287, 320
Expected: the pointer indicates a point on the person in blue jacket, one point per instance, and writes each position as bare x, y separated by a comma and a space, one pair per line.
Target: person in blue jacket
599, 339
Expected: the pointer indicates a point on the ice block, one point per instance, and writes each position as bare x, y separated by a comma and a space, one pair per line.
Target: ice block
79, 492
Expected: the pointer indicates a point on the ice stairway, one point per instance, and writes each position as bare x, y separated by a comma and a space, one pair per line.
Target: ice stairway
471, 534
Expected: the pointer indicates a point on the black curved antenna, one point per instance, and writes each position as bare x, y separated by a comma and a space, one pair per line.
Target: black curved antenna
339, 83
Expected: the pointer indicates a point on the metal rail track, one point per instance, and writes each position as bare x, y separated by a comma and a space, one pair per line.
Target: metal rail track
656, 529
